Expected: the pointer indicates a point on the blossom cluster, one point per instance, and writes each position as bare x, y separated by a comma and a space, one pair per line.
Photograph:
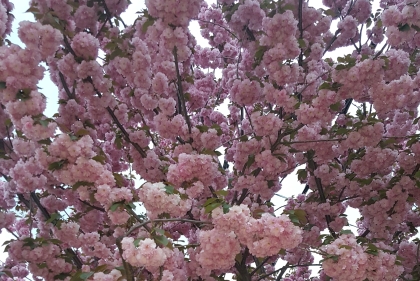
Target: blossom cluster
144, 101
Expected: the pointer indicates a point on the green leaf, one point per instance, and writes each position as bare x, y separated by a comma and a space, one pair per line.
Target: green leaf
149, 22
81, 276
301, 216
137, 242
259, 55
8, 122
118, 141
251, 160
2, 85
301, 43
341, 131
159, 231
209, 208
45, 141
325, 85
8, 242
331, 12
130, 205
115, 206
169, 189
225, 208
57, 165
116, 53
302, 175
404, 27
288, 7
82, 132
336, 106
210, 200
55, 241
86, 275
368, 22
189, 79
222, 192
53, 217
82, 183
23, 94
346, 247
372, 249
341, 67
415, 27
119, 179
210, 152
230, 11
100, 158
202, 128
144, 128
161, 240
61, 276
218, 129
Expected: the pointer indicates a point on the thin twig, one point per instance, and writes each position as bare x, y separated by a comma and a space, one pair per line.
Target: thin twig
11, 232
380, 52
92, 206
293, 142
231, 33
137, 226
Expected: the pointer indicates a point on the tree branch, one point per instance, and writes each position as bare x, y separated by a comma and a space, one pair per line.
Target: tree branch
127, 267
180, 91
92, 206
65, 86
137, 226
300, 8
328, 218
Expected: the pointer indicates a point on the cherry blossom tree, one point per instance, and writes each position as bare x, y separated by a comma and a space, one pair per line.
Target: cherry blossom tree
141, 175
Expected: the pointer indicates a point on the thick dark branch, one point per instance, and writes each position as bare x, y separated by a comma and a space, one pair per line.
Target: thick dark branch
128, 268
47, 216
241, 267
65, 86
282, 135
380, 52
68, 46
282, 271
181, 92
125, 133
118, 123
300, 8
259, 266
108, 14
24, 201
332, 41
243, 196
328, 218
364, 234
43, 210
346, 106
